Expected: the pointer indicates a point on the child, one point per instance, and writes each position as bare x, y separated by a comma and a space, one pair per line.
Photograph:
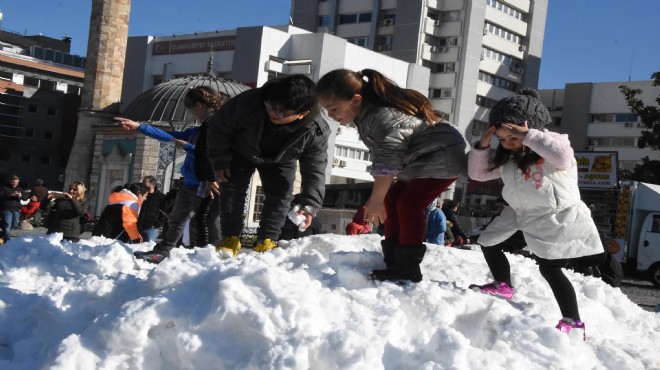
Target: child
359, 225
199, 193
271, 130
28, 210
539, 173
407, 140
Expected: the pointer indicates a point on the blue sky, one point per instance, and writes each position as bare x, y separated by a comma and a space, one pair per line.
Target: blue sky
585, 40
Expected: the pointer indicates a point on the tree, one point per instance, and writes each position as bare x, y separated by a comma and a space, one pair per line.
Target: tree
648, 171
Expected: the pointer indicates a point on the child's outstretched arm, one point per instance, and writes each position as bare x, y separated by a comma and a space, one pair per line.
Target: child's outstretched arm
555, 148
479, 159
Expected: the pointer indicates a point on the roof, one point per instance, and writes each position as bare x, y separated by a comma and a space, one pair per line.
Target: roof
164, 102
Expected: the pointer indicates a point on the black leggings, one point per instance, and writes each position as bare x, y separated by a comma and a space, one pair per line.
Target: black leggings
551, 272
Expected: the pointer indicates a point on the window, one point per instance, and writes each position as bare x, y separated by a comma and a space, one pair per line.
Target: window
626, 118
621, 141
48, 135
6, 75
158, 79
485, 102
355, 18
505, 9
439, 67
48, 85
359, 41
45, 160
26, 158
502, 58
505, 34
324, 20
496, 81
51, 111
28, 132
72, 89
258, 204
31, 81
33, 108
441, 93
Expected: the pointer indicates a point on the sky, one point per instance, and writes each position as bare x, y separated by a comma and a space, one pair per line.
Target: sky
305, 305
585, 40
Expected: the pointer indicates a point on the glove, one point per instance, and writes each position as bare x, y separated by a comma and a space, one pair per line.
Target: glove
298, 220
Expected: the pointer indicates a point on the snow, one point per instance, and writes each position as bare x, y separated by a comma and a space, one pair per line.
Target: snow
305, 305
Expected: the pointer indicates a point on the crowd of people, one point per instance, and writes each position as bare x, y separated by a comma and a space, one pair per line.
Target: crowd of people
276, 130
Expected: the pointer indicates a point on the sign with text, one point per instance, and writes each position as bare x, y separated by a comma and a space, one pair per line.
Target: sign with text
194, 45
597, 169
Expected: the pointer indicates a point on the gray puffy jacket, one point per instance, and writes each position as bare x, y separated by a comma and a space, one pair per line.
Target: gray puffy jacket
407, 147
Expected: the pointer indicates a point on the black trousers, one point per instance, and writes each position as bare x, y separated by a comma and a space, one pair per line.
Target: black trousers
551, 270
277, 186
206, 217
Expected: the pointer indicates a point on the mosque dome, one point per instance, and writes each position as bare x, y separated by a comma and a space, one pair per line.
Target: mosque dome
164, 102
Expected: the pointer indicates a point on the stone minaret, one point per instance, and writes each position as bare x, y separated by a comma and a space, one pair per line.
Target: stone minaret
104, 72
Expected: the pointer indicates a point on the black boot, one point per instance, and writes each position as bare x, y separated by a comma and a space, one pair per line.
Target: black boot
406, 265
388, 246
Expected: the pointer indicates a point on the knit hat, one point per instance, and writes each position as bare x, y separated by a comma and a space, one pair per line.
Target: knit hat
517, 109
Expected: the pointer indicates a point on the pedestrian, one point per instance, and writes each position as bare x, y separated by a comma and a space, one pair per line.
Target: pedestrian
119, 219
201, 101
11, 194
359, 224
539, 172
407, 140
450, 209
64, 214
436, 224
149, 219
28, 210
270, 130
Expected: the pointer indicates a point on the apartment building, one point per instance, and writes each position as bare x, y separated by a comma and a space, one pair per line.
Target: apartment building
40, 87
597, 118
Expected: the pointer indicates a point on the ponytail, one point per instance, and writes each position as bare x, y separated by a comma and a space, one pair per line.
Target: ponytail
376, 89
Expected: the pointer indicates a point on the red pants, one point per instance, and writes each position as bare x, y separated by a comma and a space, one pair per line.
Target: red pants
406, 203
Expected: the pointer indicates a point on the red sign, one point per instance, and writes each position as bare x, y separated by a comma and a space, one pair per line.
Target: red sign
194, 45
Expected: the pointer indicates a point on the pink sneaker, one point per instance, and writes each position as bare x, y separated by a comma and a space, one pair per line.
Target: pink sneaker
495, 288
567, 324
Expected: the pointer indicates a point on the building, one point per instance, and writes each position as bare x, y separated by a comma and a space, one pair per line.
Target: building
597, 118
478, 51
252, 56
40, 87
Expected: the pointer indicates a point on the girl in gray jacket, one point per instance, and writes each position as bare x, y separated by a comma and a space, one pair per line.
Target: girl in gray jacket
415, 157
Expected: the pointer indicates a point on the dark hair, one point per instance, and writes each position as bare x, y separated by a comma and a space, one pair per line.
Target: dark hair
118, 188
376, 89
449, 204
294, 92
523, 159
151, 180
138, 188
205, 95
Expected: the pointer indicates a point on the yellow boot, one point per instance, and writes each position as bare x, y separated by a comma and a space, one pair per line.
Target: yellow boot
265, 246
230, 245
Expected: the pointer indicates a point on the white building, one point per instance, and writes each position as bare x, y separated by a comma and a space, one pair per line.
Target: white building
252, 55
597, 118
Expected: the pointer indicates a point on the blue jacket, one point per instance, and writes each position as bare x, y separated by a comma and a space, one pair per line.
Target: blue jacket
190, 135
437, 225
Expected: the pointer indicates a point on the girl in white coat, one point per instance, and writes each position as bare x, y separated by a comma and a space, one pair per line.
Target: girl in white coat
539, 172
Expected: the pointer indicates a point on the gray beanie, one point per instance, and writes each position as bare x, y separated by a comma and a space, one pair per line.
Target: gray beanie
517, 109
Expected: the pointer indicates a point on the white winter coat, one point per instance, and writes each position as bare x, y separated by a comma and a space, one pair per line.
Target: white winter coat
545, 204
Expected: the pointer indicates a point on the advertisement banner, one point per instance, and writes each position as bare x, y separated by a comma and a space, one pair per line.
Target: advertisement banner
597, 169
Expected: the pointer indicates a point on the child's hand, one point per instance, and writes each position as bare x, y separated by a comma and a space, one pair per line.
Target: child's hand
515, 130
375, 212
179, 143
484, 143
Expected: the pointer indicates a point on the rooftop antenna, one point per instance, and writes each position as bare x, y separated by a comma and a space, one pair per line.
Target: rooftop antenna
632, 56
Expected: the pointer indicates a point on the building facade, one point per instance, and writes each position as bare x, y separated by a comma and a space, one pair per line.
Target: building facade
40, 87
597, 118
